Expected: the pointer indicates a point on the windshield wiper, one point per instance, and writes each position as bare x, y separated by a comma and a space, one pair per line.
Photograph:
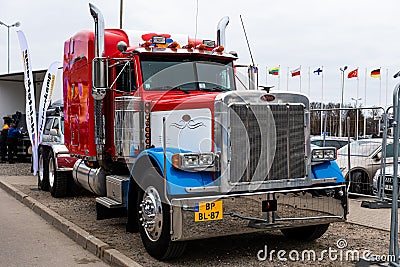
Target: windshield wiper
215, 89
170, 88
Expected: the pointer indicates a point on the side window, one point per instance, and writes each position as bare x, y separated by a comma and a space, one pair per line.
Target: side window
317, 143
342, 143
47, 127
329, 143
336, 144
126, 81
390, 150
56, 124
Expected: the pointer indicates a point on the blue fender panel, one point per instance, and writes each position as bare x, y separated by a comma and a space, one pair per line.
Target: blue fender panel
177, 179
327, 169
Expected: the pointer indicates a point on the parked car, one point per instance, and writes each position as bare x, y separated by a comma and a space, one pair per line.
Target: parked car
365, 160
330, 141
388, 183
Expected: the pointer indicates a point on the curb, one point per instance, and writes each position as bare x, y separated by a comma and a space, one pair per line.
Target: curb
87, 241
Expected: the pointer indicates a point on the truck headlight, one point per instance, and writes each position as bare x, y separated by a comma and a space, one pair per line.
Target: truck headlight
195, 161
323, 154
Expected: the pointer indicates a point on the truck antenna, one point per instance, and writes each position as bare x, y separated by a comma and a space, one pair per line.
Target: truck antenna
247, 40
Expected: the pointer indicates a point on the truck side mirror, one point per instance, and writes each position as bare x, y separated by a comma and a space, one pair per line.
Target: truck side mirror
99, 78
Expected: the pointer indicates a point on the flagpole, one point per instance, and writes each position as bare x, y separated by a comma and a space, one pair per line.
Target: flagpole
357, 117
322, 100
358, 82
365, 103
300, 78
342, 70
309, 81
287, 79
387, 80
380, 99
380, 88
279, 77
266, 76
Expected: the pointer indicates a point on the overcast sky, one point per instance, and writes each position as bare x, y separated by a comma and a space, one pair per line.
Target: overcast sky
289, 33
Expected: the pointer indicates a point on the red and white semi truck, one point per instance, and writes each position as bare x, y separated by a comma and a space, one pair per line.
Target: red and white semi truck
155, 127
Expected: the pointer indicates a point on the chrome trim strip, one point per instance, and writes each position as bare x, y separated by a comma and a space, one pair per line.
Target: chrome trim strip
202, 189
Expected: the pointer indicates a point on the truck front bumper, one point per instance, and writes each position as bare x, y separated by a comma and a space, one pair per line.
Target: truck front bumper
242, 213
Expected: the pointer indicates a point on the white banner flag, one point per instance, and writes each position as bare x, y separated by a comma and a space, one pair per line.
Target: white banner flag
30, 99
45, 96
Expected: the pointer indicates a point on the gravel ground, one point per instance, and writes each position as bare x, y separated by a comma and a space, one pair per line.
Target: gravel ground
335, 248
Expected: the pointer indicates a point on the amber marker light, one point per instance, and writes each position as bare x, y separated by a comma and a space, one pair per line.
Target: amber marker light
146, 44
173, 45
219, 49
176, 161
190, 45
201, 46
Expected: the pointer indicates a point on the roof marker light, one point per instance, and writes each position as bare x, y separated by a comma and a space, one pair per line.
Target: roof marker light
219, 49
174, 45
146, 44
201, 46
190, 45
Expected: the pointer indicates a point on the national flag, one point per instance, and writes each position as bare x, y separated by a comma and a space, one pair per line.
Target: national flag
376, 73
274, 70
353, 74
318, 71
397, 74
255, 70
295, 72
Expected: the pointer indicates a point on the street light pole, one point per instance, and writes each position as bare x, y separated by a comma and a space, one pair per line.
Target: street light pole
16, 24
356, 129
341, 103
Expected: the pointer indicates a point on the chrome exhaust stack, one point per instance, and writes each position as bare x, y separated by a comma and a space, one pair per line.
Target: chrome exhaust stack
221, 31
98, 30
99, 78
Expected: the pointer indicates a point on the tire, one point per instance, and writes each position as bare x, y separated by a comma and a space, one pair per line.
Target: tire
306, 233
43, 170
58, 181
154, 219
359, 183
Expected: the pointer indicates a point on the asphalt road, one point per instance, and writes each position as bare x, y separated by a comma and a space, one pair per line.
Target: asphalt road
28, 240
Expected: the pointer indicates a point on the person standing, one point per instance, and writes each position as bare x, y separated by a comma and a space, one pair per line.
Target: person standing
12, 139
3, 143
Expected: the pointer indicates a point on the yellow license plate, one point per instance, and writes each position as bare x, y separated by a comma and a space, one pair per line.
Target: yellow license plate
208, 211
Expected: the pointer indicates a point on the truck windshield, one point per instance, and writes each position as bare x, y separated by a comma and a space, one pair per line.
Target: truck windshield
187, 75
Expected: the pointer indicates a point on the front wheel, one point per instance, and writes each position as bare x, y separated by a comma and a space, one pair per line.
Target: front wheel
43, 171
306, 233
58, 181
154, 220
359, 183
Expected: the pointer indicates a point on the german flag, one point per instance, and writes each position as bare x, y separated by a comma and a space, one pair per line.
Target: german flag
376, 73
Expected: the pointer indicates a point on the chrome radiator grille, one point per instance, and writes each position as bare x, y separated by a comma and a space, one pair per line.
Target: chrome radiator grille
267, 142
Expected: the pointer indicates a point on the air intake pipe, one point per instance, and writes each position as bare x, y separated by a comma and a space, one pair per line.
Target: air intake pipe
221, 30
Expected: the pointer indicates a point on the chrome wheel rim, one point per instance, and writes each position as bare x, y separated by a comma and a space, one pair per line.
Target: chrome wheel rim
41, 168
151, 213
51, 172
